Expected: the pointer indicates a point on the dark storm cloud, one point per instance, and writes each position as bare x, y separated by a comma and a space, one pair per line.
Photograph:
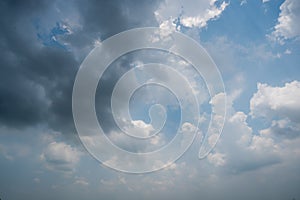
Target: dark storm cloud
19, 99
106, 18
37, 80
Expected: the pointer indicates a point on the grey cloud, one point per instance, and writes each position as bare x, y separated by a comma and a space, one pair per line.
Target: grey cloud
37, 80
102, 19
111, 17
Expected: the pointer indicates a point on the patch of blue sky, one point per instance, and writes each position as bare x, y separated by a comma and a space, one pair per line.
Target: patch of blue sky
244, 24
51, 38
245, 29
247, 26
246, 32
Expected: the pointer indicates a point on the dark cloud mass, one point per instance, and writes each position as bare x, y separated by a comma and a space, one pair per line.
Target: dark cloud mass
36, 78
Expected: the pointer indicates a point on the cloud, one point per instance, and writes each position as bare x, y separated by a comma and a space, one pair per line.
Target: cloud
239, 148
288, 20
59, 156
217, 159
36, 86
188, 13
280, 106
244, 149
81, 181
37, 77
137, 128
243, 2
36, 80
141, 128
213, 12
280, 102
254, 160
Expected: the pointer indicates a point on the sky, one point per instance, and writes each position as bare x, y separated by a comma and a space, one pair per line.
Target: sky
255, 45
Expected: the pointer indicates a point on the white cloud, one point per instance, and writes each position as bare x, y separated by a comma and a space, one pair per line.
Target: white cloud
246, 150
243, 2
280, 102
139, 128
59, 156
240, 149
288, 21
262, 144
191, 13
187, 128
217, 159
217, 103
281, 107
201, 20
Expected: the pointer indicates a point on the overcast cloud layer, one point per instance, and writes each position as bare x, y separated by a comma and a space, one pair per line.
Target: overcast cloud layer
255, 45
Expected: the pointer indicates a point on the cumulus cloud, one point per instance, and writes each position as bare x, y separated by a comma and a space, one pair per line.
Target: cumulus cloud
280, 102
59, 156
217, 159
212, 12
188, 13
288, 20
280, 106
242, 148
137, 128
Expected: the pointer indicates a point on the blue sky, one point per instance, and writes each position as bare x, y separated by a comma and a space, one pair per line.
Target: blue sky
255, 45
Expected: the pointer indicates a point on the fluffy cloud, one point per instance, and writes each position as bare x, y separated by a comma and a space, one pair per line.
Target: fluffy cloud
280, 106
190, 13
280, 102
212, 12
287, 26
137, 128
240, 149
244, 149
141, 128
60, 156
217, 159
